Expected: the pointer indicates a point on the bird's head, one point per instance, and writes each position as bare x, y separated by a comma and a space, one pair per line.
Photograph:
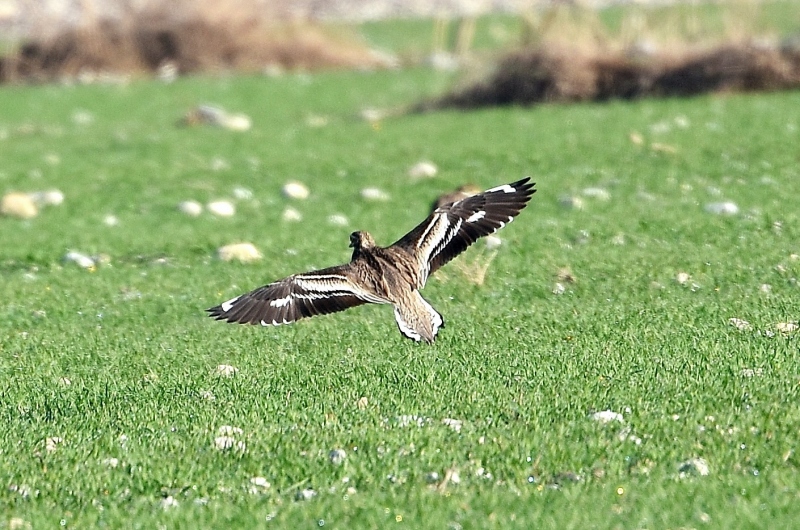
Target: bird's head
361, 241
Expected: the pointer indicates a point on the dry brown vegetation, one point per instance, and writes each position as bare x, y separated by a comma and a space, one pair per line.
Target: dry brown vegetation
569, 56
214, 35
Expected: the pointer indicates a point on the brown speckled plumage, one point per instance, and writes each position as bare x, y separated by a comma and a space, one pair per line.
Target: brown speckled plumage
385, 275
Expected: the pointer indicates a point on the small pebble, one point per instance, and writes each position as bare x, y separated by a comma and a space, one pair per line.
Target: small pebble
694, 466
607, 416
242, 194
305, 495
423, 169
740, 324
374, 194
682, 278
787, 327
295, 190
492, 242
337, 456
243, 252
221, 208
81, 260
19, 205
291, 215
571, 202
597, 193
47, 198
111, 220
191, 208
338, 219
722, 208
226, 370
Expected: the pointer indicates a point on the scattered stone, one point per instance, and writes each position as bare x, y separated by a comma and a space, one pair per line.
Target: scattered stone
337, 456
229, 430
338, 219
223, 443
242, 193
607, 416
19, 205
683, 278
374, 194
226, 370
618, 240
295, 190
722, 208
291, 215
51, 444
453, 424
432, 477
751, 372
571, 202
597, 193
169, 503
260, 482
423, 169
217, 117
694, 466
243, 252
191, 208
559, 289
110, 462
47, 198
81, 260
492, 242
18, 523
765, 288
111, 220
221, 208
740, 324
305, 495
362, 403
787, 327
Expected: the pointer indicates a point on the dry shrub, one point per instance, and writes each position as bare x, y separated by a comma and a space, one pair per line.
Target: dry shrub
569, 55
213, 35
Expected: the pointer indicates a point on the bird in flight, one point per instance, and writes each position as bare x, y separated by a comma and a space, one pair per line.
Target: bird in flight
385, 275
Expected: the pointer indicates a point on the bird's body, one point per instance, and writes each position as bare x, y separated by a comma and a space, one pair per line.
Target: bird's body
385, 275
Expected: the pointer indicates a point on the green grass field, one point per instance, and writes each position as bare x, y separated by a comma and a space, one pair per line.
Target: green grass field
522, 369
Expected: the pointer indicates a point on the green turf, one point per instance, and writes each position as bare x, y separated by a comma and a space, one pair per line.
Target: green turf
520, 367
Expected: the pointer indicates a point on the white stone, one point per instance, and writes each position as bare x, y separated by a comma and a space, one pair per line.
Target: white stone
81, 260
787, 327
111, 220
18, 205
296, 190
453, 424
682, 278
559, 288
338, 219
337, 456
241, 193
226, 370
571, 202
740, 324
260, 482
290, 215
191, 208
694, 466
607, 416
374, 194
243, 252
228, 430
597, 193
423, 169
111, 462
305, 495
169, 502
51, 444
47, 198
223, 443
221, 208
492, 242
722, 208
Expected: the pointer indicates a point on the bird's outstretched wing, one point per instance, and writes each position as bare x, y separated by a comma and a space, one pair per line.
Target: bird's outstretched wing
450, 229
297, 296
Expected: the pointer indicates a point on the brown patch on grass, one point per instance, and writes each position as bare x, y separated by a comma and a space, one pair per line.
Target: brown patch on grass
216, 35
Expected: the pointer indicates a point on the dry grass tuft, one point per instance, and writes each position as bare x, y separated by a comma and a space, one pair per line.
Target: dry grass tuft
215, 35
570, 56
